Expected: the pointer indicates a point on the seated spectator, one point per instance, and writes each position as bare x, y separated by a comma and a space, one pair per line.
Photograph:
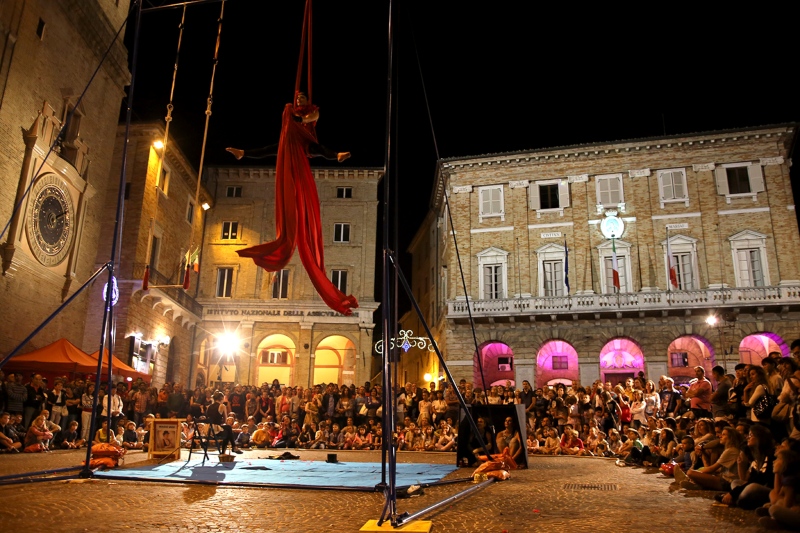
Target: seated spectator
633, 443
719, 475
37, 438
9, 440
784, 508
335, 438
447, 440
363, 439
260, 437
130, 438
243, 439
68, 439
756, 476
552, 444
601, 447
614, 443
572, 445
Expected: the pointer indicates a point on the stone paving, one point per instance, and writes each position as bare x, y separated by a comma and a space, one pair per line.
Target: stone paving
532, 500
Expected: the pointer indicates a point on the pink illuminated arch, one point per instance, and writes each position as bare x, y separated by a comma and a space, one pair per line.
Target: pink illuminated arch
687, 352
757, 346
498, 364
565, 355
620, 358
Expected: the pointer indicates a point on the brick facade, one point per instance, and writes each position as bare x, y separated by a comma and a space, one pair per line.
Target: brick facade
759, 294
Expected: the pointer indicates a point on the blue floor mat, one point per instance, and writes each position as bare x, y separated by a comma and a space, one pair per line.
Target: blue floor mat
277, 472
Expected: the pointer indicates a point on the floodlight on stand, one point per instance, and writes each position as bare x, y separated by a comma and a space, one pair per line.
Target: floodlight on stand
712, 320
427, 377
228, 343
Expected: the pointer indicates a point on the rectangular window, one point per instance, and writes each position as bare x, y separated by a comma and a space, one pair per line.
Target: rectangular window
751, 273
553, 278
560, 362
274, 357
190, 212
609, 190
623, 283
230, 230
155, 249
224, 282
738, 180
491, 201
344, 192
683, 264
492, 282
280, 284
548, 196
163, 180
673, 184
339, 280
505, 364
679, 359
233, 191
341, 232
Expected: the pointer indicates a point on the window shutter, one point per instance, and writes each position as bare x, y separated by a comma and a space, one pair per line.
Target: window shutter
756, 178
497, 201
721, 175
679, 184
534, 191
486, 202
662, 185
563, 194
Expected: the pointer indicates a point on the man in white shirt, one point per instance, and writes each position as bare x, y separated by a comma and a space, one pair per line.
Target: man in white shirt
116, 408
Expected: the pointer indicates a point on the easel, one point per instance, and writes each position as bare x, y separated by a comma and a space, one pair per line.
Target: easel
210, 434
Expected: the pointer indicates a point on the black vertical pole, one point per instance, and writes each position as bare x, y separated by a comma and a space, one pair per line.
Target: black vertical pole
386, 307
109, 306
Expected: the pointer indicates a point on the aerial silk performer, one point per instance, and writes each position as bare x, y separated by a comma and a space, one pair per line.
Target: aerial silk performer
297, 214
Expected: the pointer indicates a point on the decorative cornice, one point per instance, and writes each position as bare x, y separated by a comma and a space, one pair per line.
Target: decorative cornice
704, 167
581, 178
641, 173
521, 184
462, 188
766, 161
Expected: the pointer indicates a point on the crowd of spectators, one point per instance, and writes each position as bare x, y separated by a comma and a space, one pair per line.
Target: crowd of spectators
738, 435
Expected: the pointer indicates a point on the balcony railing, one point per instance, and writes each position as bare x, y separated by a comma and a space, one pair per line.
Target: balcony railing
176, 294
641, 301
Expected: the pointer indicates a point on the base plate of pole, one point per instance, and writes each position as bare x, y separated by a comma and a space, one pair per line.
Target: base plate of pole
417, 526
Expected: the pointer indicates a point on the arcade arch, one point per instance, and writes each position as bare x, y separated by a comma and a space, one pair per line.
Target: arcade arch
687, 352
275, 358
757, 346
497, 359
620, 359
335, 361
556, 362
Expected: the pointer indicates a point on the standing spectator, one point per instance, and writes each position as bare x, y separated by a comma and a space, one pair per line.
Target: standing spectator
175, 401
774, 379
87, 400
116, 408
140, 401
453, 405
652, 401
699, 394
719, 400
669, 397
736, 392
56, 402
35, 400
16, 394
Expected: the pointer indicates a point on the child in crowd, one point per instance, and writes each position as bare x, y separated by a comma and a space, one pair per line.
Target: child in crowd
130, 439
243, 439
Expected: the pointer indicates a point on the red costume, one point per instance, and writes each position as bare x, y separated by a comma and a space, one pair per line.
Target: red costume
297, 214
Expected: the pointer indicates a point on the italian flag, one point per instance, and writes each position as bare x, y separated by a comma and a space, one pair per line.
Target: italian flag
614, 264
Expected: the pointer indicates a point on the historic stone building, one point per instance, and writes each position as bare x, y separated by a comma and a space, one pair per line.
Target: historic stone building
259, 326
51, 209
161, 224
540, 233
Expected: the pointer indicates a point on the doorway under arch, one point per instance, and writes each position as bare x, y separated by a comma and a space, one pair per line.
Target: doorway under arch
497, 359
757, 346
556, 362
335, 361
275, 357
620, 359
687, 352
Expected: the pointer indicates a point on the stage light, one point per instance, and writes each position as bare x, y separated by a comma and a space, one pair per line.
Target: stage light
206, 206
427, 377
158, 145
712, 320
228, 343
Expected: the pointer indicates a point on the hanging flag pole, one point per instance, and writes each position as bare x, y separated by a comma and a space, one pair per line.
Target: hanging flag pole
672, 269
615, 267
566, 271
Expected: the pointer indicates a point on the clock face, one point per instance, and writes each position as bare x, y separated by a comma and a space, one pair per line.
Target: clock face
51, 220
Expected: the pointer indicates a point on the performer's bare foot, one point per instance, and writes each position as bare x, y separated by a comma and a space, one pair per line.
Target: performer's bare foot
238, 154
342, 156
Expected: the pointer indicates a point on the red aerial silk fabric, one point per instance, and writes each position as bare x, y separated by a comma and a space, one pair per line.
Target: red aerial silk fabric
297, 216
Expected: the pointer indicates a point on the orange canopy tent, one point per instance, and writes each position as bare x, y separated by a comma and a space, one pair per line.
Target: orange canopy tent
64, 357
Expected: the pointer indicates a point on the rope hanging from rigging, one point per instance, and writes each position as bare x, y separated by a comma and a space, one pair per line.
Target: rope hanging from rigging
297, 213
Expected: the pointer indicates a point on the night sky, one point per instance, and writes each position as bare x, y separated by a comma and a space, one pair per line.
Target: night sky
501, 77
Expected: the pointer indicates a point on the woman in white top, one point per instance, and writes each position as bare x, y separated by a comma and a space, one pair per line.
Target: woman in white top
638, 409
652, 401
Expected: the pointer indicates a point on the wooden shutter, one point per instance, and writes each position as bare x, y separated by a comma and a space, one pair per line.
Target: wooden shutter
721, 175
563, 194
534, 191
662, 186
756, 176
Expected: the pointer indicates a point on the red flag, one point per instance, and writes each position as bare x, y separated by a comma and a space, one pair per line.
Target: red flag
146, 278
673, 267
614, 265
186, 277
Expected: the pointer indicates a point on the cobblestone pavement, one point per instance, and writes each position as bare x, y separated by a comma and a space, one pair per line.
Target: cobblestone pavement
532, 500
